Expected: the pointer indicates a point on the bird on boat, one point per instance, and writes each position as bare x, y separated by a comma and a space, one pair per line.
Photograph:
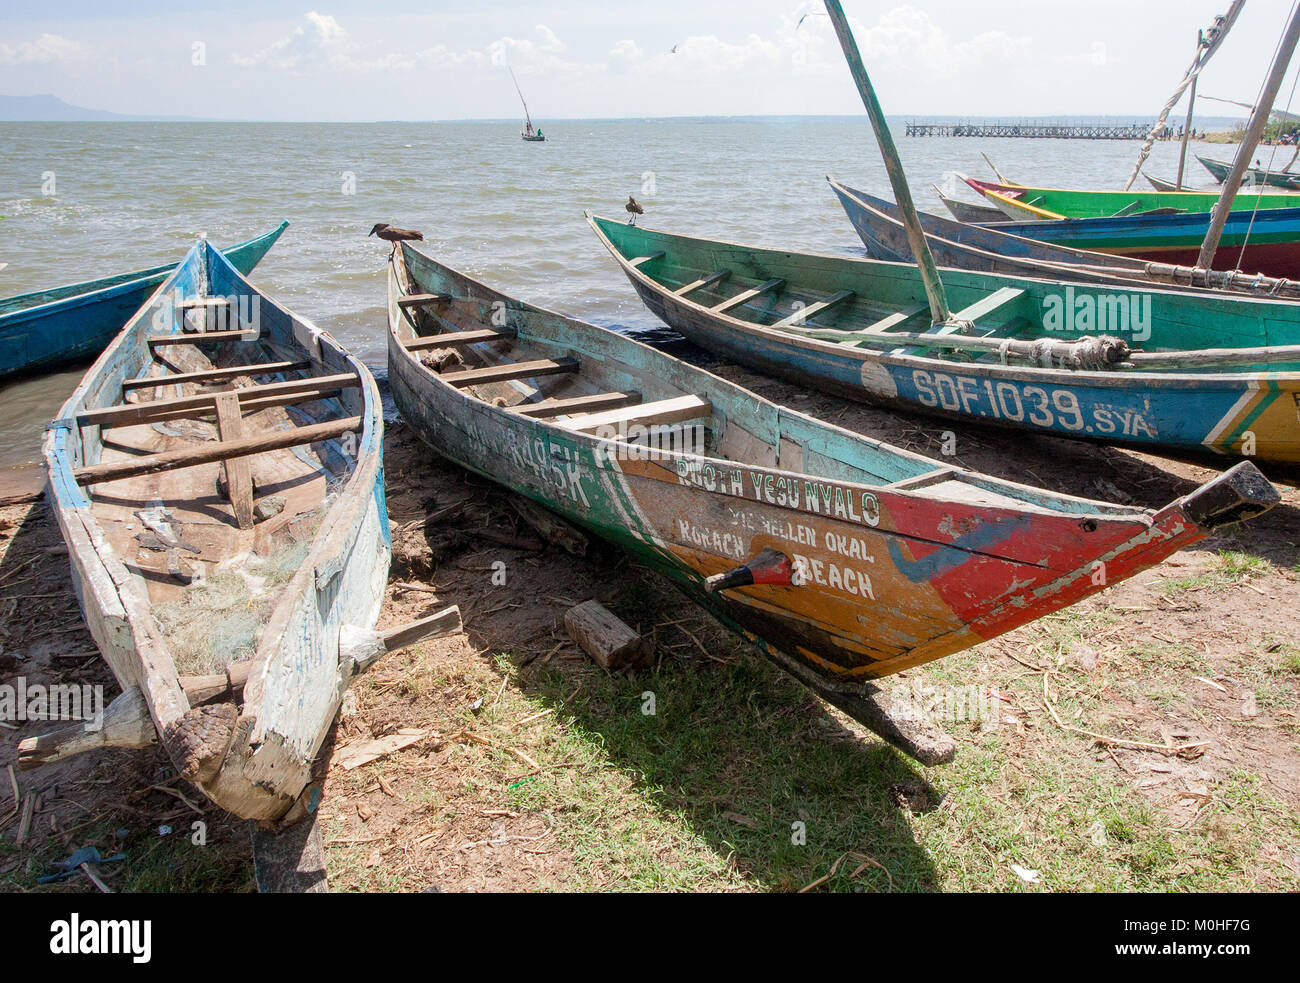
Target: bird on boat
634, 209
390, 234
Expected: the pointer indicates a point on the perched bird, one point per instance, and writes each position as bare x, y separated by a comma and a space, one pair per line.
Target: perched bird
390, 234
634, 209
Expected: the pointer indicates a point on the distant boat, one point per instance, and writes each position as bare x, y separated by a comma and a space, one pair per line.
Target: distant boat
530, 134
964, 211
1030, 204
47, 328
1254, 177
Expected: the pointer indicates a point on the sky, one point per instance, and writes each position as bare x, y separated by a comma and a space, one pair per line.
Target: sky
437, 60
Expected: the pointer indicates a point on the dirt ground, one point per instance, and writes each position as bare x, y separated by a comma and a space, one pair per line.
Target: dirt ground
534, 770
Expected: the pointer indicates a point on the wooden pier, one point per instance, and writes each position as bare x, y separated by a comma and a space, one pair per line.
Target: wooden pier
1031, 131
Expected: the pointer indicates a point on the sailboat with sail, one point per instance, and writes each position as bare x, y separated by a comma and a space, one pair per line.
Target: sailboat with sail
529, 133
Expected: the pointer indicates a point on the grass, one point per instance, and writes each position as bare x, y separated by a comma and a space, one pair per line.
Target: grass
1233, 570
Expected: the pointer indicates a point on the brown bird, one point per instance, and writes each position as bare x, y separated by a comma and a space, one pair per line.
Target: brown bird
634, 209
390, 234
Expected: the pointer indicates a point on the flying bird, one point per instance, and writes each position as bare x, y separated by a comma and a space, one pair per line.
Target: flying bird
675, 47
390, 234
634, 209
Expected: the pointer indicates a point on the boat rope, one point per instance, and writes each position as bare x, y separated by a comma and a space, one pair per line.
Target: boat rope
1206, 46
1085, 355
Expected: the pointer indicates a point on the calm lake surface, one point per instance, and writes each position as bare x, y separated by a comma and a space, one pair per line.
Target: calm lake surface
132, 195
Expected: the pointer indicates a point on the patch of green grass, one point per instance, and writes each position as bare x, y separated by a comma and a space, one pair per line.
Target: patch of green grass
1233, 570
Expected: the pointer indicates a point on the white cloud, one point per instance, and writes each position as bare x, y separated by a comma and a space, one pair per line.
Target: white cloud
45, 49
321, 42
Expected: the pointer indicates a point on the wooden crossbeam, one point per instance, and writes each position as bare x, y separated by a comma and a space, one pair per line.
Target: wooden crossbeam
578, 404
201, 338
988, 305
801, 317
747, 296
239, 477
642, 260
191, 457
925, 480
214, 375
658, 414
424, 300
887, 324
507, 373
457, 339
151, 412
708, 281
203, 303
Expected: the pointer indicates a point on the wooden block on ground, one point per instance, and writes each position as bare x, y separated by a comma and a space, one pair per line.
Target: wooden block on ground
605, 638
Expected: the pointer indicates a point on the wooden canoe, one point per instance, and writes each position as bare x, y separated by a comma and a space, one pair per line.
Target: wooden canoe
220, 489
964, 211
48, 328
1255, 177
987, 249
1027, 204
1200, 373
844, 558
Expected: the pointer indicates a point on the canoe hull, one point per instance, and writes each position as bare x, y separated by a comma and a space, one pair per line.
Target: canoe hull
45, 331
885, 598
1251, 414
253, 759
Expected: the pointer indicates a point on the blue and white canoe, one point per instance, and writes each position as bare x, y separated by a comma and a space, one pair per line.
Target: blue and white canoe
218, 478
48, 328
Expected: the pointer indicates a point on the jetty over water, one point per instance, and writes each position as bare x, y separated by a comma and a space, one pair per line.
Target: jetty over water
1032, 131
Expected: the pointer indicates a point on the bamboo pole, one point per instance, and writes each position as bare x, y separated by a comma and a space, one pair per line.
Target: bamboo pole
940, 313
1254, 132
1187, 133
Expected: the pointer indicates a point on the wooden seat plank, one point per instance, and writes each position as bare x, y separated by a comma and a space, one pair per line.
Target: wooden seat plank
210, 453
552, 408
239, 476
424, 300
458, 339
134, 413
214, 375
708, 281
812, 310
747, 296
511, 372
658, 414
885, 325
642, 260
201, 338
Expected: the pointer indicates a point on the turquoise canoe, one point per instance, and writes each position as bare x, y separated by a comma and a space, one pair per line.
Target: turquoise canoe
47, 328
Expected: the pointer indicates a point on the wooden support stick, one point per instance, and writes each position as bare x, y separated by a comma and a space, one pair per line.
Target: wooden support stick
126, 724
239, 477
214, 375
194, 457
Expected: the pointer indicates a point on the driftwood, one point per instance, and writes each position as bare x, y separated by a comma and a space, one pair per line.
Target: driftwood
550, 527
126, 724
612, 644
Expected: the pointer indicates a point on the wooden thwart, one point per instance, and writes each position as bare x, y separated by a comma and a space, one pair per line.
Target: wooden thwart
457, 339
801, 317
507, 373
215, 375
747, 296
708, 281
150, 412
885, 325
201, 338
191, 457
424, 300
578, 404
642, 260
658, 414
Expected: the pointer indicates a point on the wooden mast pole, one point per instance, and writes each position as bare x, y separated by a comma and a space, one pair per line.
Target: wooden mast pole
939, 310
1254, 133
1187, 134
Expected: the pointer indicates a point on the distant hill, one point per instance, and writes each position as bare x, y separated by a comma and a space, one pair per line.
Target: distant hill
48, 108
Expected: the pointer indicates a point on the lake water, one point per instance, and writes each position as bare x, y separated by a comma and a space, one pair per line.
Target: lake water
132, 195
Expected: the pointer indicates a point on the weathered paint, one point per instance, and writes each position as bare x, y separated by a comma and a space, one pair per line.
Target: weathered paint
1226, 412
52, 327
897, 576
297, 682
